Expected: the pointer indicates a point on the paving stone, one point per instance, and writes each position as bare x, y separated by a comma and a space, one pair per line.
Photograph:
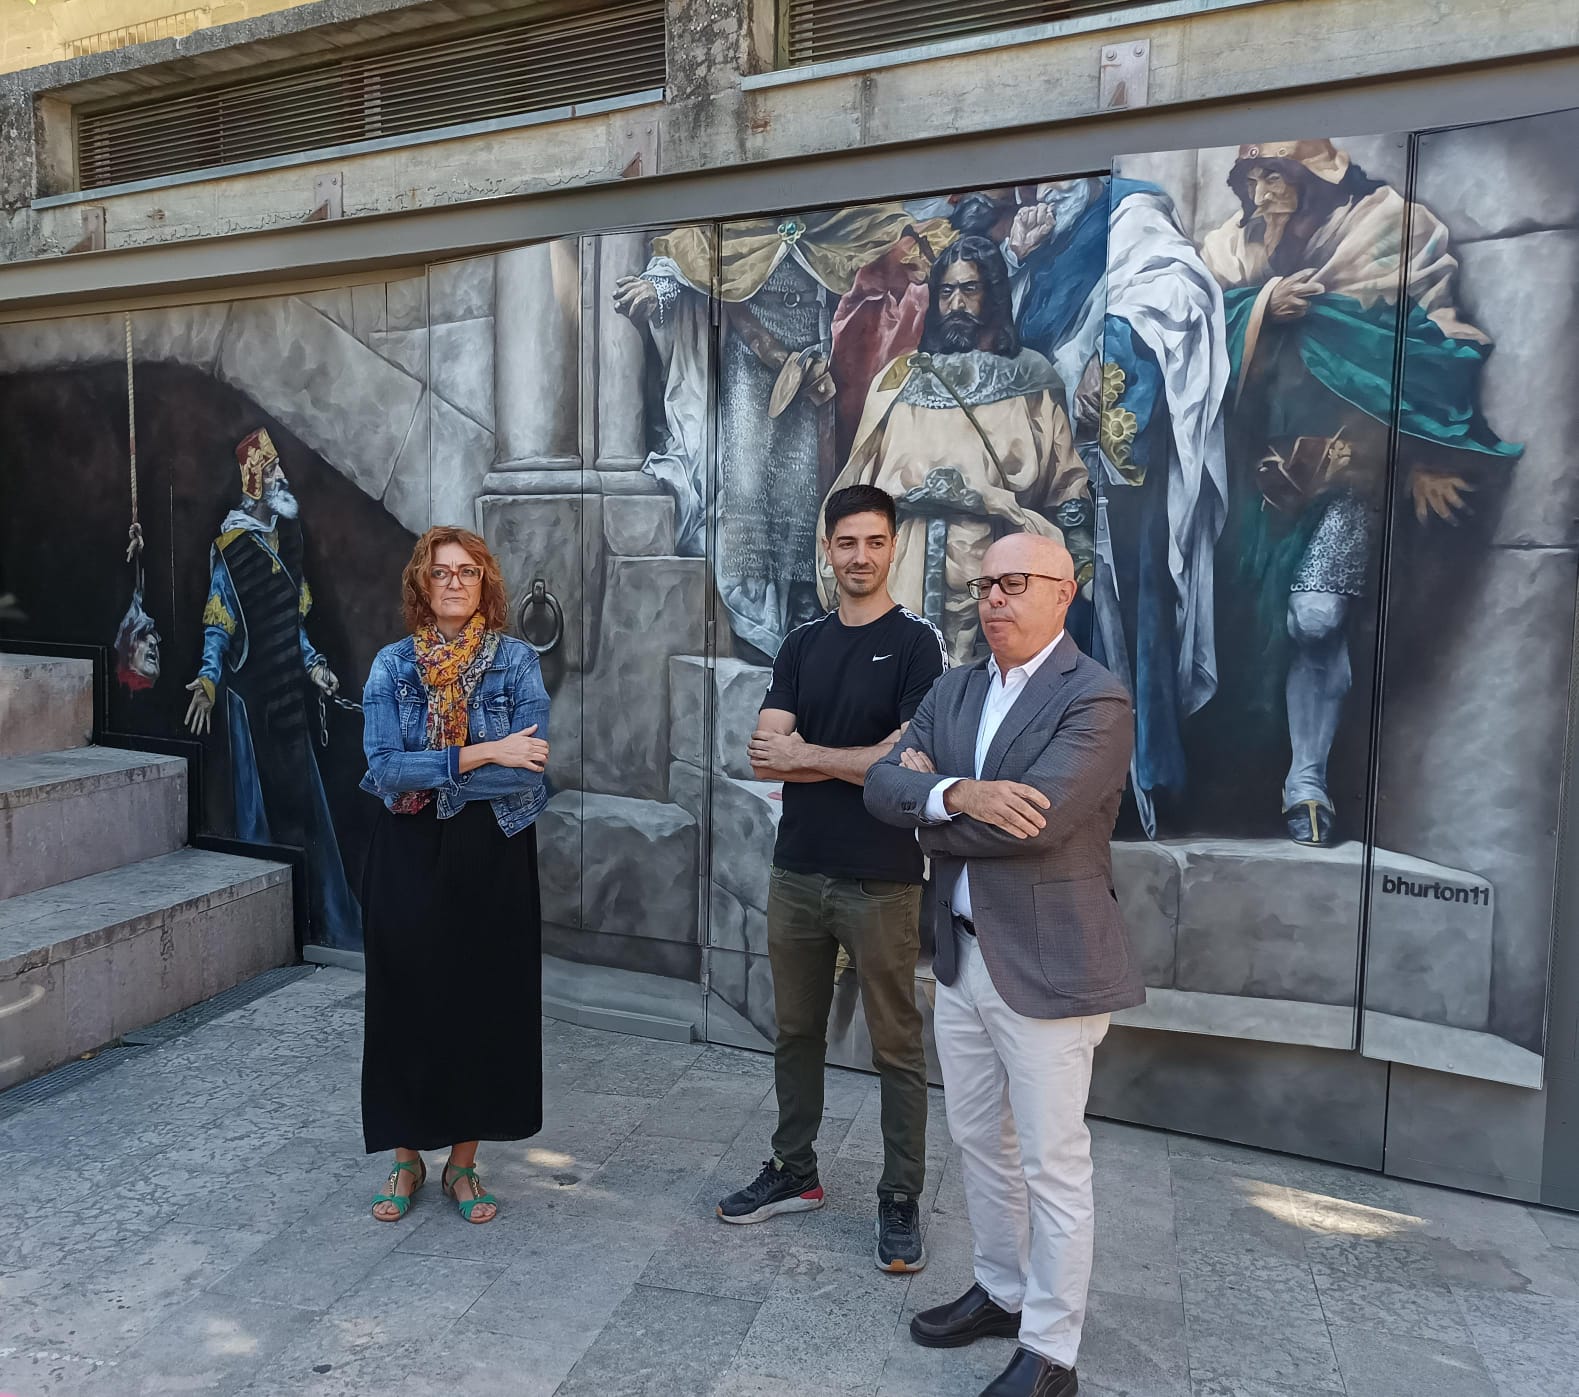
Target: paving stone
1428, 1312
207, 1344
482, 1363
709, 1257
662, 1343
1229, 1284
1134, 1345
377, 1329
568, 1275
324, 1253
1409, 1367
828, 1322
104, 1313
1297, 1354
707, 1107
1219, 1269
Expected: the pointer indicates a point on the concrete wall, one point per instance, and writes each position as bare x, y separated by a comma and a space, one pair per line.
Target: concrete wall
50, 31
719, 114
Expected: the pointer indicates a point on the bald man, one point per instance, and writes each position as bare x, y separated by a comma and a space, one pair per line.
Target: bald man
1011, 770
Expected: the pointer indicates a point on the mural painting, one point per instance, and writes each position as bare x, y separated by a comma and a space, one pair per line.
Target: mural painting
255, 655
1253, 389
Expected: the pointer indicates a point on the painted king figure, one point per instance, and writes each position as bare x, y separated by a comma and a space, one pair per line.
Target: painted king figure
971, 437
1313, 269
258, 661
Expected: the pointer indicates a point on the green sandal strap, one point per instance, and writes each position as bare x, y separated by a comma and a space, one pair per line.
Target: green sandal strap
466, 1205
402, 1201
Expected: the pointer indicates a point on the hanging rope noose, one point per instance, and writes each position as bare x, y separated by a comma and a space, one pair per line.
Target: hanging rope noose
134, 535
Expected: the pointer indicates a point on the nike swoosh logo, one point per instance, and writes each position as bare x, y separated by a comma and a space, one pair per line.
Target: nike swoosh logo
888, 656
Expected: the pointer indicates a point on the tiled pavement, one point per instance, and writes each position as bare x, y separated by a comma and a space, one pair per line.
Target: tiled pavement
196, 1221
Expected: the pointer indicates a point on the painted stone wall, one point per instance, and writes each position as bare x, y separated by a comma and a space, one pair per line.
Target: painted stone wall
644, 425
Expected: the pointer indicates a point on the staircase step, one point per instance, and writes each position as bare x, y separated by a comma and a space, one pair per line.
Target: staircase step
85, 961
46, 704
65, 815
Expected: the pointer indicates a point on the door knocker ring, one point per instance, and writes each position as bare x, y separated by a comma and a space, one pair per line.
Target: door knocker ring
541, 596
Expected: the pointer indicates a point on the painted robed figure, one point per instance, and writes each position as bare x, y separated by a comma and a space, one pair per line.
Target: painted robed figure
258, 660
1314, 304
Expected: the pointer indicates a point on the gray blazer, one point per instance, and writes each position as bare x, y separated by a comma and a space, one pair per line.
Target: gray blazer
1044, 908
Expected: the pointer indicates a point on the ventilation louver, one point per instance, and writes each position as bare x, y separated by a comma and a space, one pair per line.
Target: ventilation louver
821, 30
528, 65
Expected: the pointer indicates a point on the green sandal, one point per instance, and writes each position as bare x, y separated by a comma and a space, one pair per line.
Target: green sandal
467, 1204
402, 1201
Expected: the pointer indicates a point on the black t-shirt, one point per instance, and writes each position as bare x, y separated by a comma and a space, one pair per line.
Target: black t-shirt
850, 686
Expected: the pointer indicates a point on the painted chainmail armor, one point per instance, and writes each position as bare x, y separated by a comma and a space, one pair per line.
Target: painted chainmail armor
1338, 557
769, 498
980, 377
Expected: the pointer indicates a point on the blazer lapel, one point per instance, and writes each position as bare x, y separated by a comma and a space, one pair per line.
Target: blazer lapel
1041, 691
976, 686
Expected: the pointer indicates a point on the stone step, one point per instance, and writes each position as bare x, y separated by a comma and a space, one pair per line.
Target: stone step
82, 963
46, 704
65, 815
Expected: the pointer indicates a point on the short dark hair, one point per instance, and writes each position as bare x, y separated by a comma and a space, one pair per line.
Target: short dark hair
859, 499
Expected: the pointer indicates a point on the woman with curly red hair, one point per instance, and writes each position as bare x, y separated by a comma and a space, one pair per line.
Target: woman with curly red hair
456, 740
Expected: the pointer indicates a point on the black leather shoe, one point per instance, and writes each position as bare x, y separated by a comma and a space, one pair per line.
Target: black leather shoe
973, 1316
1031, 1375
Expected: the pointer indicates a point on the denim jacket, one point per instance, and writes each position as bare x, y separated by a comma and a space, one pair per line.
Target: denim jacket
509, 697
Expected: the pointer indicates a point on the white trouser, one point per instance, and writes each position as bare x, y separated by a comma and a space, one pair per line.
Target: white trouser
1015, 1090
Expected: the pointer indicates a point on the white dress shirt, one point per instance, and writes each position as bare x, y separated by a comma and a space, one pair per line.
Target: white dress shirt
1001, 695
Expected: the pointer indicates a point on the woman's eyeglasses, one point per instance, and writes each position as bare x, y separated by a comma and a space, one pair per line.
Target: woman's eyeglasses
440, 575
1010, 583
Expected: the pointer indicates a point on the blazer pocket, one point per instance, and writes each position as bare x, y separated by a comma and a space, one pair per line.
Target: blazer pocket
1079, 936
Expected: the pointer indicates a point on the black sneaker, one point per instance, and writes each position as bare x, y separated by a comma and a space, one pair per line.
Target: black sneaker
899, 1235
772, 1192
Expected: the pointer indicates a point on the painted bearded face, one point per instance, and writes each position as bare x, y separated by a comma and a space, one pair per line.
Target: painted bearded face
961, 299
1068, 199
1272, 194
277, 497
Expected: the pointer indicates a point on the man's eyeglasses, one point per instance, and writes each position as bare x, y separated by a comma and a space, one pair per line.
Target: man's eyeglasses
1011, 583
440, 575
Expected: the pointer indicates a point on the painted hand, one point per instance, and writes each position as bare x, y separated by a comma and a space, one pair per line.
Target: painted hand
1291, 296
1010, 806
1440, 494
1033, 225
914, 759
199, 711
635, 298
774, 751
324, 677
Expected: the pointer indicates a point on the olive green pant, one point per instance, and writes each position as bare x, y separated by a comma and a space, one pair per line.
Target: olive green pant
878, 924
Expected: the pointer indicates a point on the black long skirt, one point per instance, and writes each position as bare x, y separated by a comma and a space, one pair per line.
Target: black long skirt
453, 1046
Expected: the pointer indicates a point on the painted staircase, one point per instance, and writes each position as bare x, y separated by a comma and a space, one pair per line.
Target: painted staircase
108, 921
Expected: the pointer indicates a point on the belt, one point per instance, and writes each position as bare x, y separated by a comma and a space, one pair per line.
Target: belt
966, 925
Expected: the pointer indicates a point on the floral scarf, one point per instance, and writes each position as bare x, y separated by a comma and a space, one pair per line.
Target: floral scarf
450, 671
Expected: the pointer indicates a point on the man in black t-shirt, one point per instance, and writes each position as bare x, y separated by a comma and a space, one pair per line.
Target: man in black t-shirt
844, 687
